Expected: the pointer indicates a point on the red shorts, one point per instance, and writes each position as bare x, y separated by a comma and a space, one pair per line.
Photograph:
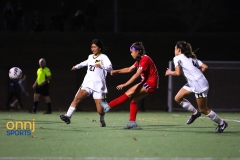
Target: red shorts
151, 85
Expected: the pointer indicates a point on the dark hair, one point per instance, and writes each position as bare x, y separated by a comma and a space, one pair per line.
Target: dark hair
139, 47
186, 48
98, 42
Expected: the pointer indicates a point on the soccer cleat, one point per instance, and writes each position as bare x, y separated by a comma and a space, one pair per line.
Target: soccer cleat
220, 128
66, 119
102, 123
105, 106
130, 125
193, 117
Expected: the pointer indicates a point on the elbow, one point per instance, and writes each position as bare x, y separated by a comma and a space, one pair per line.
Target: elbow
177, 73
128, 71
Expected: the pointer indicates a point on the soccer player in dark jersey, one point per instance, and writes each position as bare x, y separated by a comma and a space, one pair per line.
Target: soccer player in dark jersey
146, 69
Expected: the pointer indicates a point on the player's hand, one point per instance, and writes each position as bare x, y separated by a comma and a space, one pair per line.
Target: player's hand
168, 72
113, 72
74, 68
119, 87
97, 65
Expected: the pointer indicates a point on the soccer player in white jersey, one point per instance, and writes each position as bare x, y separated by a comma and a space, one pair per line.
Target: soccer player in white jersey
94, 83
193, 69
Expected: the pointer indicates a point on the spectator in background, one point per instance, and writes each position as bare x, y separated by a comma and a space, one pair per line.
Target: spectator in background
57, 23
91, 13
64, 13
20, 15
37, 22
22, 85
78, 21
9, 17
41, 86
14, 91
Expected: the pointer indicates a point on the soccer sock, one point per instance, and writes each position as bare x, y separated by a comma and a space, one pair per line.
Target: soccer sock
35, 104
49, 106
214, 117
118, 100
133, 111
188, 106
70, 111
101, 117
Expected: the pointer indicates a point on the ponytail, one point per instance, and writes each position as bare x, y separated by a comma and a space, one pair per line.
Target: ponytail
186, 48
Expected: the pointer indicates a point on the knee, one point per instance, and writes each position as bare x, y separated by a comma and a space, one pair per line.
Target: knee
129, 94
178, 100
101, 113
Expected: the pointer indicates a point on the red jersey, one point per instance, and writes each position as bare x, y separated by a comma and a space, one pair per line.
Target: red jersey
150, 73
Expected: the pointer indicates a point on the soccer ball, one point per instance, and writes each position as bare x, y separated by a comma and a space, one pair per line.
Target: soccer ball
15, 73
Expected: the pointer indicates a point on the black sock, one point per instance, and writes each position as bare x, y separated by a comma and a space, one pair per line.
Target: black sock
49, 107
35, 104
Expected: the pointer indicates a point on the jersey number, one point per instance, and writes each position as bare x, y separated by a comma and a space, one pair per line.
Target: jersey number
195, 64
91, 67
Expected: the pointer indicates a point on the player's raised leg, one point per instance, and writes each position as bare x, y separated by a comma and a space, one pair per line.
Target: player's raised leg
81, 94
107, 106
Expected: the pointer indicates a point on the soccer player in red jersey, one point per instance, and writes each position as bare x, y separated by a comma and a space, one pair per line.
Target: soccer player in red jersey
146, 69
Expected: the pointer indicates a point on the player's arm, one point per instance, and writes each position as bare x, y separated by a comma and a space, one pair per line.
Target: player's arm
80, 65
105, 64
177, 71
131, 80
124, 70
134, 77
204, 67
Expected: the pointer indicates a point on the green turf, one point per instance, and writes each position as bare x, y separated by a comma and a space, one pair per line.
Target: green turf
160, 135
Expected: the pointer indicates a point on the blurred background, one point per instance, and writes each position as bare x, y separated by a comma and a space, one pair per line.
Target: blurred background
61, 32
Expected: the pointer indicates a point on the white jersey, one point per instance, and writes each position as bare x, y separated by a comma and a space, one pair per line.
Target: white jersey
96, 77
192, 72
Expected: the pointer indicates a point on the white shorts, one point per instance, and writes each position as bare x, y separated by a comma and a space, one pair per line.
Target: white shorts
197, 95
96, 95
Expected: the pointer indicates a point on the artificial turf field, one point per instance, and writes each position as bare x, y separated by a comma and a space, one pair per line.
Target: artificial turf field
160, 135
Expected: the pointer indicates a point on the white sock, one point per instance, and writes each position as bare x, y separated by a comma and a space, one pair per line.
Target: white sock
188, 106
101, 118
214, 117
70, 111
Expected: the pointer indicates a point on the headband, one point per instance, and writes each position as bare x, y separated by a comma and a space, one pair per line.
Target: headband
133, 48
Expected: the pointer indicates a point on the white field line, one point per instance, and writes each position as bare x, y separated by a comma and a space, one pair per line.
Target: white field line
107, 158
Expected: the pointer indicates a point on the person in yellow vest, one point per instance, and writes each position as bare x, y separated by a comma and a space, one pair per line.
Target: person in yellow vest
41, 86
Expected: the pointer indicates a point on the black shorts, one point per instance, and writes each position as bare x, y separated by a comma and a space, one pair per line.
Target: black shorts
43, 90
